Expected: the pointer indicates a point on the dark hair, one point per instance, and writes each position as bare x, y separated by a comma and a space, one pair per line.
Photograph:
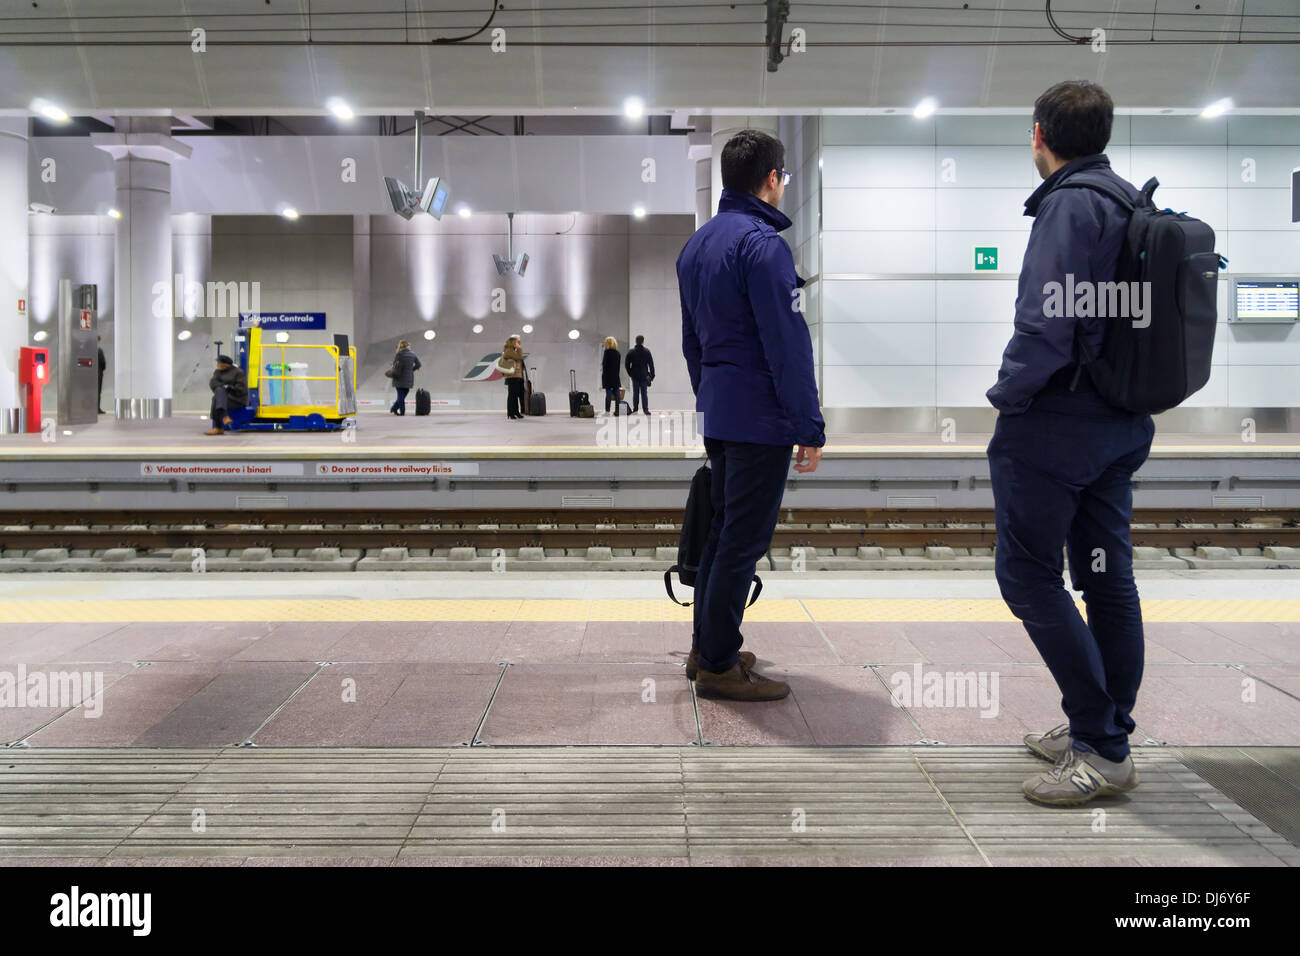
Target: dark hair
1075, 117
747, 159
640, 340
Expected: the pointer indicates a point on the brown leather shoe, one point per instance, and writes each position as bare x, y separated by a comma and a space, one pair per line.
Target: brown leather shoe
693, 662
739, 683
214, 431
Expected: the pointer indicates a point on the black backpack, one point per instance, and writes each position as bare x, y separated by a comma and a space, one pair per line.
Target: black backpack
695, 534
1156, 366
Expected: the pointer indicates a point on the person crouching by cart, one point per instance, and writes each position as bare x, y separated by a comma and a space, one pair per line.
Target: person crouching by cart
229, 390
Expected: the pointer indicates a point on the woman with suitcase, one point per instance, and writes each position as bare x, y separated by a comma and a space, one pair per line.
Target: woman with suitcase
402, 373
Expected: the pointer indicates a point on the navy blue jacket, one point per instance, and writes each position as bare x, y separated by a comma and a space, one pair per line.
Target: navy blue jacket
1078, 233
747, 347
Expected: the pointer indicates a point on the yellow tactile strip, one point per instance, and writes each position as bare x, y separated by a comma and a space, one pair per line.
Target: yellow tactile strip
780, 611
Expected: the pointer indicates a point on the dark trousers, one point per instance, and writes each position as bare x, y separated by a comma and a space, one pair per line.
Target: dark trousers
99, 401
640, 396
220, 405
399, 405
611, 395
1062, 477
748, 482
514, 396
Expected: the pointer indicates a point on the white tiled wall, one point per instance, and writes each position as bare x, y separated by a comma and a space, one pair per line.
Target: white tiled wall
903, 198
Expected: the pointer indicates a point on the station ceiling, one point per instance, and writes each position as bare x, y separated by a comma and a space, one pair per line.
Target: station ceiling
387, 57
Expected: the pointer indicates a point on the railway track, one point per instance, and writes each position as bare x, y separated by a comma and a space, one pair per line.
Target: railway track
585, 527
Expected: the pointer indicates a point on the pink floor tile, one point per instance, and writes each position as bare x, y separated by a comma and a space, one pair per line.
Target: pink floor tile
463, 642
134, 703
385, 705
229, 707
1203, 706
296, 641
871, 643
379, 641
788, 645
943, 642
542, 641
580, 703
20, 717
629, 641
50, 642
1281, 642
846, 705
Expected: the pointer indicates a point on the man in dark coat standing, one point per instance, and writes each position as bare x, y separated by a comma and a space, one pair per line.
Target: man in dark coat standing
750, 359
103, 364
640, 366
402, 373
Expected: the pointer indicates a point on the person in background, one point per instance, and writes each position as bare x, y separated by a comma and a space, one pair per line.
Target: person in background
1062, 460
750, 358
229, 390
609, 379
103, 364
513, 353
640, 366
405, 362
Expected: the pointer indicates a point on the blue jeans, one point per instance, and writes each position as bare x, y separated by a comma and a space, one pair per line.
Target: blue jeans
399, 405
611, 395
640, 398
748, 483
1062, 477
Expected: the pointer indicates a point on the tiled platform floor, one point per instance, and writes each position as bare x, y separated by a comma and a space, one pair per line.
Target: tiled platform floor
455, 431
375, 742
514, 682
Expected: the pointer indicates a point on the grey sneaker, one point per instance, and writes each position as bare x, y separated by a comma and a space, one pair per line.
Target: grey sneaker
1080, 776
1050, 745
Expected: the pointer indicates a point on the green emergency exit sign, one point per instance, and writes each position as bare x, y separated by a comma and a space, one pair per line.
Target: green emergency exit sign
986, 258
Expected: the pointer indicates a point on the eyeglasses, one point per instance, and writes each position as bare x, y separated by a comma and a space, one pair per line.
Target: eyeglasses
785, 177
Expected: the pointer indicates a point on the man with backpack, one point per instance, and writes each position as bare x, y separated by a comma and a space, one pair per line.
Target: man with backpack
1071, 433
750, 359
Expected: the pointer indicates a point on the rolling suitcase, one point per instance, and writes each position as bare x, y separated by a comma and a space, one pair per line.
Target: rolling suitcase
422, 403
536, 400
576, 398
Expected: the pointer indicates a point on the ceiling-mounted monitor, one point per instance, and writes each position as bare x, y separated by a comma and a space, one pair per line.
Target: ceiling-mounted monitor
404, 204
434, 198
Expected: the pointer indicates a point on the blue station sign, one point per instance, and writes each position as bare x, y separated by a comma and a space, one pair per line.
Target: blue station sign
282, 321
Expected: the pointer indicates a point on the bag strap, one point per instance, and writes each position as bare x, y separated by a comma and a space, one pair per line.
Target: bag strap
668, 585
1106, 189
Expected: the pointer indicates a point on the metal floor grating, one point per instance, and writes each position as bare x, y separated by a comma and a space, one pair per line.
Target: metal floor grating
1263, 781
954, 805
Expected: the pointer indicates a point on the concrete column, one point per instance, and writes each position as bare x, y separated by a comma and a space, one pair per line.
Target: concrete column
703, 191
13, 264
143, 296
725, 127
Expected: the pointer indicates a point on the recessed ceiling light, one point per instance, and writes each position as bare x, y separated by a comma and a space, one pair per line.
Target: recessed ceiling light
464, 211
38, 335
634, 107
289, 212
282, 336
573, 333
184, 334
527, 329
925, 108
430, 335
51, 112
639, 212
115, 213
1217, 108
477, 329
339, 108
67, 431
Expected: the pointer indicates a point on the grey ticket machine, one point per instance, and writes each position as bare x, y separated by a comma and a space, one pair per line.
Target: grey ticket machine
78, 355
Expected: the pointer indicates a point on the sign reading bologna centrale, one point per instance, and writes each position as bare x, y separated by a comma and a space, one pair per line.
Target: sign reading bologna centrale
282, 321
